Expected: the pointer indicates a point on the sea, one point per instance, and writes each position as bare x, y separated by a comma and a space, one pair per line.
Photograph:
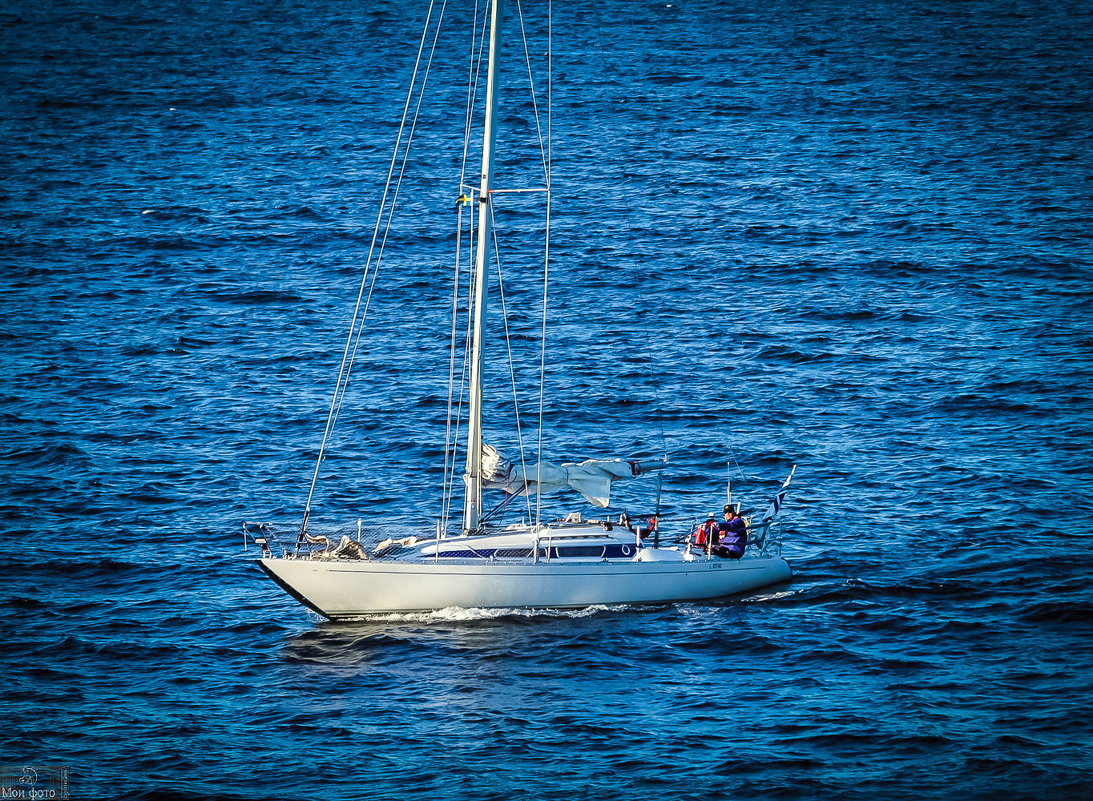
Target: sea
855, 237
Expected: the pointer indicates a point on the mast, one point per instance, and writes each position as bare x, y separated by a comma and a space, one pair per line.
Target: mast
472, 501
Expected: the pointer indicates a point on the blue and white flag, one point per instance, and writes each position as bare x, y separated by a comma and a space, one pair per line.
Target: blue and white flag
777, 503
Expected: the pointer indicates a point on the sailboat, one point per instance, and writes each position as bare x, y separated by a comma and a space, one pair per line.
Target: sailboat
572, 562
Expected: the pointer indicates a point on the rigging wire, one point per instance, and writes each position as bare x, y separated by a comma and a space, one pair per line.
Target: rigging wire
467, 193
473, 76
546, 249
382, 231
466, 199
354, 337
545, 155
449, 453
531, 84
475, 70
512, 366
452, 436
394, 199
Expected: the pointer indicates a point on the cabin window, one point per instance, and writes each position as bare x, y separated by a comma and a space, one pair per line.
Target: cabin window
579, 550
517, 553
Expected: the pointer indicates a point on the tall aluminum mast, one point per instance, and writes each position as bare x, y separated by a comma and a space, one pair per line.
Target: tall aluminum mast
472, 502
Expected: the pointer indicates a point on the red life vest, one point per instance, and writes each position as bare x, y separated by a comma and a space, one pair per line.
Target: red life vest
704, 532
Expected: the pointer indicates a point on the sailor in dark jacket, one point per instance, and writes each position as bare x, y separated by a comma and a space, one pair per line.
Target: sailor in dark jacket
734, 535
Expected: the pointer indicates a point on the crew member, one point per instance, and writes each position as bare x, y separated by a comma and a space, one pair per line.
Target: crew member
733, 534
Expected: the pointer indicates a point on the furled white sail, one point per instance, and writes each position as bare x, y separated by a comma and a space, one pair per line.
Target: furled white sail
592, 477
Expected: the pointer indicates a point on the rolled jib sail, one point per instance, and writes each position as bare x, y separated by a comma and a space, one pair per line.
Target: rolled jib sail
592, 478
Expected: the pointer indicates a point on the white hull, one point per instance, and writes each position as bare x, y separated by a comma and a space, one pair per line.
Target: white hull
346, 588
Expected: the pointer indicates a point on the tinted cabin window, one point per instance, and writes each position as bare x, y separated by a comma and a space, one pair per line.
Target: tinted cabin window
580, 550
517, 553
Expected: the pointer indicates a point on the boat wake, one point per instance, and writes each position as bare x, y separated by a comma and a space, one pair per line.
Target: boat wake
455, 614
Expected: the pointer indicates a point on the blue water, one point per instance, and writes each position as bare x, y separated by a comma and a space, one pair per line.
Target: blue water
855, 237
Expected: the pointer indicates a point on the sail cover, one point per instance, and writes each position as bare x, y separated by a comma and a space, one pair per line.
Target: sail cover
592, 478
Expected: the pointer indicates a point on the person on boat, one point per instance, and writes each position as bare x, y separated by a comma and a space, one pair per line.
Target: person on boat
733, 535
706, 535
